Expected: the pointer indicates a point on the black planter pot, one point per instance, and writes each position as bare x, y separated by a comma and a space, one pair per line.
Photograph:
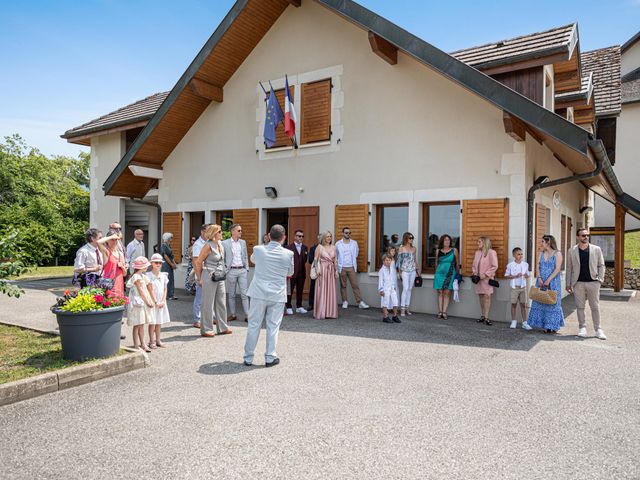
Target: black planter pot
88, 335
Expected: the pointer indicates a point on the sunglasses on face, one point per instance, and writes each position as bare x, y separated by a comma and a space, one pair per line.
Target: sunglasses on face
584, 236
156, 263
300, 236
347, 233
410, 238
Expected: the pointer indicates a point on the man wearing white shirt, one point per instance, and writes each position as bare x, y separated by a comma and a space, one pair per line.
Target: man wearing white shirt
347, 251
135, 248
197, 301
237, 263
268, 292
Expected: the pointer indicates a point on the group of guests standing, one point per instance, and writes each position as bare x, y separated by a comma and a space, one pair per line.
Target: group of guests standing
104, 262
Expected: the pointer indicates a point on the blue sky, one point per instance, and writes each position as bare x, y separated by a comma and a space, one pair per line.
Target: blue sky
66, 62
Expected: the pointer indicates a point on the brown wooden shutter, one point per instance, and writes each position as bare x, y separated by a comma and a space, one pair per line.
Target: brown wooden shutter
315, 112
282, 140
563, 240
248, 218
485, 218
541, 229
356, 217
172, 223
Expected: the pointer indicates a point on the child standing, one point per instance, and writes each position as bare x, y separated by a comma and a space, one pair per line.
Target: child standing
158, 290
388, 290
518, 272
140, 308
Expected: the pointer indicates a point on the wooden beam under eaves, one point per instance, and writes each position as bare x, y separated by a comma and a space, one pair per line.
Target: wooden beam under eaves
383, 48
514, 127
206, 90
295, 3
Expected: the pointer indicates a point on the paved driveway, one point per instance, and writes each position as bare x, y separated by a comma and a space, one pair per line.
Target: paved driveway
352, 398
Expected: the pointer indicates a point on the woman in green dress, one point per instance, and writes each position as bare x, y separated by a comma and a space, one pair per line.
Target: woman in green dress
446, 269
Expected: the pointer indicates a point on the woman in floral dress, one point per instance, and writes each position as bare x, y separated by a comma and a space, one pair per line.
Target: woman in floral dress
548, 317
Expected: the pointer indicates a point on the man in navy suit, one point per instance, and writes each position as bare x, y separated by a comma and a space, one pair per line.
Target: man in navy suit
299, 277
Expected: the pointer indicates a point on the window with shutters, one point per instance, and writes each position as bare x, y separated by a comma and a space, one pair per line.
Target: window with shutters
392, 220
282, 140
356, 218
438, 219
485, 218
315, 112
172, 223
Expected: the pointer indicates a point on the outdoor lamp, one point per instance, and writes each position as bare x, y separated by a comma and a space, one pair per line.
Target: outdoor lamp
586, 208
541, 179
271, 192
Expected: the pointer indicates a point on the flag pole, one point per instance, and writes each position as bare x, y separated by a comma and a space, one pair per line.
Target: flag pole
265, 92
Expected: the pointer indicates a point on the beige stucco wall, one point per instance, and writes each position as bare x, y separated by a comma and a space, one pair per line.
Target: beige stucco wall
406, 134
630, 59
626, 167
106, 152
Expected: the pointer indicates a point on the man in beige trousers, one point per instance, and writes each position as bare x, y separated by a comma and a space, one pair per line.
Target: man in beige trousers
585, 274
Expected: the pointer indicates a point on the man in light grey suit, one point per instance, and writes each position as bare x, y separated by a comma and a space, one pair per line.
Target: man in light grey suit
584, 275
268, 292
235, 257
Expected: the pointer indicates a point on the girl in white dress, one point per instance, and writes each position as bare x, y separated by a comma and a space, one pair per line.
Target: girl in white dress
140, 310
388, 289
158, 290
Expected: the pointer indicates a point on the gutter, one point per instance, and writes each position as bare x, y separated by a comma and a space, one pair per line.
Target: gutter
158, 209
597, 147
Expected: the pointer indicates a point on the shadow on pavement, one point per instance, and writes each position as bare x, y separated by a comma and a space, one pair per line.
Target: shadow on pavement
225, 368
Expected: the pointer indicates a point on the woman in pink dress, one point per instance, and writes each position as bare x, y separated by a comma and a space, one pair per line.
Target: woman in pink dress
114, 263
485, 265
325, 304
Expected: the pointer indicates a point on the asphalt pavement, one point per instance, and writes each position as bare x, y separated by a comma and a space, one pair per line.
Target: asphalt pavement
352, 398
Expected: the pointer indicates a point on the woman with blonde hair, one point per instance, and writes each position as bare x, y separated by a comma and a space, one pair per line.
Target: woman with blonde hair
211, 272
325, 304
485, 265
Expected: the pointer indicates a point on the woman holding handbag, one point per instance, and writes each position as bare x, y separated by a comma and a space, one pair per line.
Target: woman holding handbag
484, 267
548, 317
325, 261
211, 272
114, 262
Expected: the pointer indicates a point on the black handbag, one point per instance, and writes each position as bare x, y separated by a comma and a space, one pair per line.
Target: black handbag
475, 278
418, 281
220, 272
494, 283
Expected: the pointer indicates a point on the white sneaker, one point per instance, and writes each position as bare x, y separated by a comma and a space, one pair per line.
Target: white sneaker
600, 334
526, 326
514, 324
345, 304
301, 310
289, 311
363, 305
582, 332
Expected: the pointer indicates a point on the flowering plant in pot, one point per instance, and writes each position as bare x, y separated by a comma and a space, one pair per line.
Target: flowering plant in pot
89, 322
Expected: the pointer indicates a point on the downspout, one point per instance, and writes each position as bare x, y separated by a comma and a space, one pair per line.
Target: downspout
158, 209
598, 149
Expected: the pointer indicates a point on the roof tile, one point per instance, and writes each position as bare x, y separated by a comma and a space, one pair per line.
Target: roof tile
605, 65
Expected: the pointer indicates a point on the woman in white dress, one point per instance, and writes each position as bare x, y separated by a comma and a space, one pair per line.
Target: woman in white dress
158, 289
140, 310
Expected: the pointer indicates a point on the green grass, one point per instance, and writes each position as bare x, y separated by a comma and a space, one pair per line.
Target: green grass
47, 272
25, 353
632, 248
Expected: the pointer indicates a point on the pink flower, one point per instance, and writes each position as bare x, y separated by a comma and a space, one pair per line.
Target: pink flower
98, 298
107, 303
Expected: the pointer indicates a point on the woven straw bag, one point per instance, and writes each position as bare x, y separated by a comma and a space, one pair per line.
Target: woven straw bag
546, 296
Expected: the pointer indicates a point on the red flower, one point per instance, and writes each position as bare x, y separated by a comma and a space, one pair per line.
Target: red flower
98, 298
67, 292
107, 303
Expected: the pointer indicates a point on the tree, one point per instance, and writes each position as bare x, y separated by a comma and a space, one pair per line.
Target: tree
46, 200
10, 263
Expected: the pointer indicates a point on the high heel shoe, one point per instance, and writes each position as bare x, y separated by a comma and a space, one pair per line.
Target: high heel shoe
481, 319
439, 314
444, 316
488, 322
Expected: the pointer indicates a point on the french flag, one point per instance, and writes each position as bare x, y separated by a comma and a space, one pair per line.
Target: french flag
289, 112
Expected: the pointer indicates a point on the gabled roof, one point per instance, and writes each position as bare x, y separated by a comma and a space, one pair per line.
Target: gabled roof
604, 63
526, 47
629, 43
585, 92
631, 87
135, 112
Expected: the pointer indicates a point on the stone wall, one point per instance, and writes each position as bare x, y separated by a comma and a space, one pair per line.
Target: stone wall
631, 278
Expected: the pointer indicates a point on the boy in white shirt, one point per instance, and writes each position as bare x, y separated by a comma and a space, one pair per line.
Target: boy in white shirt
518, 272
388, 290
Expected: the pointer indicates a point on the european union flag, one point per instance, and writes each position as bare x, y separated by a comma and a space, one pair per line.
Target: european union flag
274, 117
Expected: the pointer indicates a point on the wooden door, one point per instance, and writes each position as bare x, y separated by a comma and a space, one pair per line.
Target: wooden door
306, 219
